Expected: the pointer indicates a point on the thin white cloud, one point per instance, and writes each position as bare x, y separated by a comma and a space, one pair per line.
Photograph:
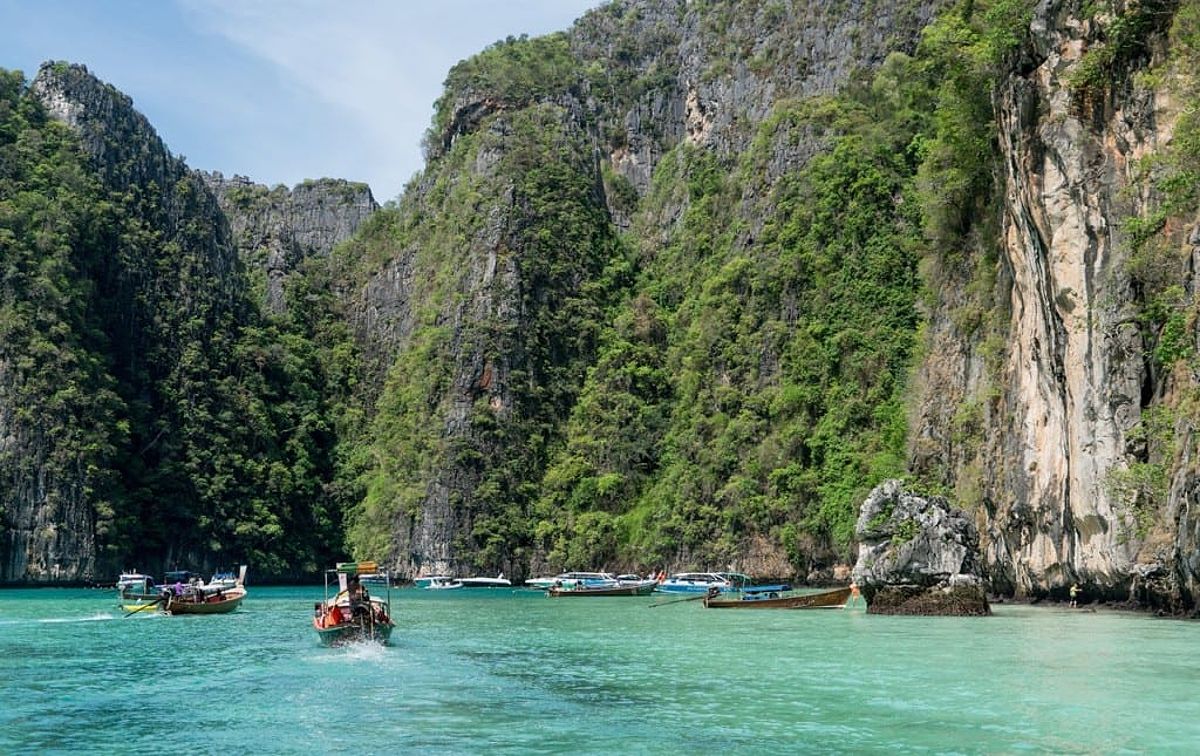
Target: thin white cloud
379, 65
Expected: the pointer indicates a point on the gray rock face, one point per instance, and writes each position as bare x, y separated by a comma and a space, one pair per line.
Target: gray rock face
47, 531
917, 555
275, 229
693, 89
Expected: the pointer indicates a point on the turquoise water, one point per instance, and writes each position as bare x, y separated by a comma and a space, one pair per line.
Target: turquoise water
520, 673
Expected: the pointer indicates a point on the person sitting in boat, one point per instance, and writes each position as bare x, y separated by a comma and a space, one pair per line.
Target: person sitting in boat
359, 598
333, 617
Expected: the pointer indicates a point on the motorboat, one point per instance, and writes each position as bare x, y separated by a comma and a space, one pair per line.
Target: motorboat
486, 582
424, 581
375, 580
352, 614
618, 588
224, 580
202, 599
833, 599
696, 582
193, 597
572, 579
135, 589
745, 584
132, 580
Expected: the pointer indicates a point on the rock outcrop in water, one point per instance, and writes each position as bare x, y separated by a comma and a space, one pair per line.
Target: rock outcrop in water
917, 555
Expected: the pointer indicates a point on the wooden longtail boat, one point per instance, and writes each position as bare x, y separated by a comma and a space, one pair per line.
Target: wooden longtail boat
352, 614
207, 599
218, 597
824, 600
639, 588
222, 602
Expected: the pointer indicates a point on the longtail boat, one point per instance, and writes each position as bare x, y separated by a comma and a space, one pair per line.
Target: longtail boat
824, 600
213, 598
352, 614
636, 588
192, 597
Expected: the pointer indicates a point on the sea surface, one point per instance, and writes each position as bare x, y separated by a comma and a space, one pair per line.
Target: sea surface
515, 672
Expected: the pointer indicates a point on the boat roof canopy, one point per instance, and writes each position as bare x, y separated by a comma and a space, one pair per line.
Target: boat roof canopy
356, 568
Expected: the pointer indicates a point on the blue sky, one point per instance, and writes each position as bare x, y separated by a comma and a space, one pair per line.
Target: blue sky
278, 90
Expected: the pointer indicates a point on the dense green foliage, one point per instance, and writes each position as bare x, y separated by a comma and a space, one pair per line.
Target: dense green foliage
514, 72
495, 359
738, 378
1124, 40
57, 392
140, 378
731, 375
753, 388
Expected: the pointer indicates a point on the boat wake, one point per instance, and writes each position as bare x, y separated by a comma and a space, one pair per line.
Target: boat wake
98, 617
360, 651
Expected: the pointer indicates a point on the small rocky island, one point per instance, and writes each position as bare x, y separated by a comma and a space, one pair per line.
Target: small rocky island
918, 555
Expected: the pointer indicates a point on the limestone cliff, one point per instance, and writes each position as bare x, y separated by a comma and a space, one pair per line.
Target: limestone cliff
276, 228
1040, 393
638, 81
678, 287
56, 508
149, 414
1061, 414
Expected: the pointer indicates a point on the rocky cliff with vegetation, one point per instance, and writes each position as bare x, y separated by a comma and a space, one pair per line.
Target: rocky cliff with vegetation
150, 414
677, 287
276, 229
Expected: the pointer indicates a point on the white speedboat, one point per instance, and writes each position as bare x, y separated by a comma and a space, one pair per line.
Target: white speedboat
374, 579
132, 580
425, 580
486, 582
223, 580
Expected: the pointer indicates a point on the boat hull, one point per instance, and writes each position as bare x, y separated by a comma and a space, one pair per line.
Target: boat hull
353, 632
824, 600
684, 589
231, 600
637, 589
478, 582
